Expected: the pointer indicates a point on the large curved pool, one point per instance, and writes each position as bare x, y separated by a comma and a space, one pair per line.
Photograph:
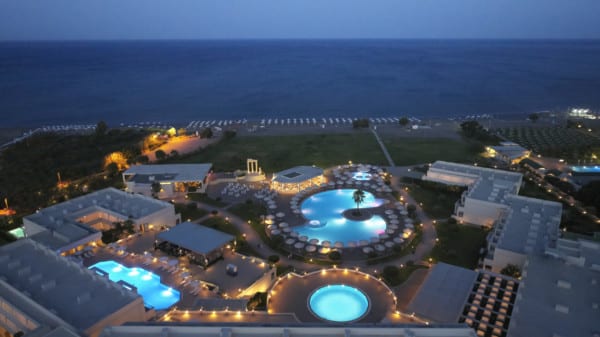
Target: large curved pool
326, 222
338, 303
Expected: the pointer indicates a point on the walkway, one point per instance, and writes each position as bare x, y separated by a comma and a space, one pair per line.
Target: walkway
383, 148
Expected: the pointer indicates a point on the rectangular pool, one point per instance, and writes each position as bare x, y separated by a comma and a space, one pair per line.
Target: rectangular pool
155, 294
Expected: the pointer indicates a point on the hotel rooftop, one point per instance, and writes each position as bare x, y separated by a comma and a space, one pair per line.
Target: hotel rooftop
40, 288
167, 172
63, 225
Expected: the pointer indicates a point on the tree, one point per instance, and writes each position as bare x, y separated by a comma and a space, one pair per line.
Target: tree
112, 169
156, 187
273, 259
160, 154
228, 134
359, 197
404, 121
174, 153
101, 128
206, 133
143, 159
335, 255
534, 117
511, 270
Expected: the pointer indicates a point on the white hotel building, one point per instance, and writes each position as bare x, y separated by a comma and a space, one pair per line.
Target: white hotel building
520, 225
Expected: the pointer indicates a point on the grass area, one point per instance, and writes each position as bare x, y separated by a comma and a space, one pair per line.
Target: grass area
8, 134
252, 212
409, 151
205, 199
529, 189
189, 211
394, 276
276, 153
458, 244
221, 224
437, 204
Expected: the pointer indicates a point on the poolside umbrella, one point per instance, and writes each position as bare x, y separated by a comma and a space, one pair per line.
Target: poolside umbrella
173, 263
388, 244
287, 230
331, 183
389, 211
270, 227
394, 222
326, 243
388, 231
363, 242
338, 244
374, 239
185, 274
296, 211
294, 234
310, 248
393, 216
403, 212
280, 214
299, 245
367, 250
283, 225
270, 217
303, 238
383, 236
313, 241
379, 248
398, 240
290, 241
164, 259
272, 206
409, 225
351, 244
275, 232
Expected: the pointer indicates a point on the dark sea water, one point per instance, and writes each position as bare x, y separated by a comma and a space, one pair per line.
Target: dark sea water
178, 81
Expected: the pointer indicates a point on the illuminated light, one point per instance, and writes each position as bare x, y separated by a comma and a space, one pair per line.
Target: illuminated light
147, 277
133, 272
117, 269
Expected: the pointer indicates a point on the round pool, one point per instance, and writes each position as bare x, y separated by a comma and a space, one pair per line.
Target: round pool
338, 303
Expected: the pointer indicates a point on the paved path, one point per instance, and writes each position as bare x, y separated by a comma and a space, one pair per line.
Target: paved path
383, 148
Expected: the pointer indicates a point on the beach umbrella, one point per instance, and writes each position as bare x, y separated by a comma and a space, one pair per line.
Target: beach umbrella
408, 221
409, 225
313, 241
398, 240
388, 244
297, 211
303, 238
283, 225
310, 248
389, 231
363, 242
389, 211
294, 234
338, 244
290, 241
272, 206
393, 216
374, 239
379, 248
367, 250
164, 259
383, 236
287, 230
280, 214
270, 217
299, 245
351, 244
275, 232
173, 263
326, 243
403, 212
394, 223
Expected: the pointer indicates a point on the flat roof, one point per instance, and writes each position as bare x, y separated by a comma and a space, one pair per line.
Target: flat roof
510, 150
297, 174
443, 294
287, 330
557, 299
64, 289
492, 185
169, 172
531, 225
196, 238
61, 219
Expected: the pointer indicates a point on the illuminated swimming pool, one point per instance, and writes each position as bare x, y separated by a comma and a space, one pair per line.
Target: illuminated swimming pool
586, 169
362, 176
338, 303
328, 208
155, 294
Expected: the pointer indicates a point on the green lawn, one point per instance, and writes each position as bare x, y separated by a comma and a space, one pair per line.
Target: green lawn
411, 151
529, 189
395, 276
458, 244
205, 199
276, 153
436, 203
221, 224
189, 212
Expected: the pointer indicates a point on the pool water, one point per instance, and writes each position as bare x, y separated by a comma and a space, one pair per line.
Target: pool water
361, 176
338, 303
155, 294
586, 169
328, 207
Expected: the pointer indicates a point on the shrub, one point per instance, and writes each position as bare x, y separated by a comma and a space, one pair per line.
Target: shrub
273, 259
335, 255
360, 123
229, 134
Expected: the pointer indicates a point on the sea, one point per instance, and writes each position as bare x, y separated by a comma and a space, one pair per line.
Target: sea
47, 83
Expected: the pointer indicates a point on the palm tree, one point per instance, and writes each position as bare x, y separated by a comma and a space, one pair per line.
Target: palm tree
359, 198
